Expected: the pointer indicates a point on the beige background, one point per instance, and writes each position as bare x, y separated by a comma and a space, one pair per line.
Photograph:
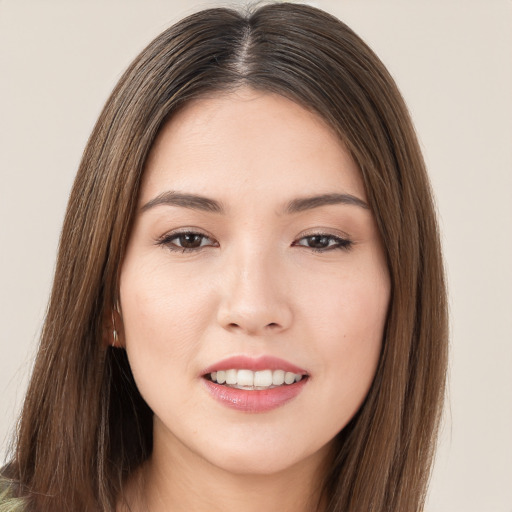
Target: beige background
453, 62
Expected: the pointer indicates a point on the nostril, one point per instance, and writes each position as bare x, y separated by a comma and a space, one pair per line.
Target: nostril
236, 326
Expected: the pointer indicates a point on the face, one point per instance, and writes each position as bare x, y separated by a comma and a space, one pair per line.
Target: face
253, 260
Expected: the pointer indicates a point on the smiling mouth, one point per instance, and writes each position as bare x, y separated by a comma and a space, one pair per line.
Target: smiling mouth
254, 380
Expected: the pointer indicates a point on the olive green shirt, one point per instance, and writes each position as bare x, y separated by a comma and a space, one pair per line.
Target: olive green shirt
7, 502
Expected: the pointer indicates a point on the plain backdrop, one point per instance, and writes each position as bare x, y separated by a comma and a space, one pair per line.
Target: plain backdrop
453, 62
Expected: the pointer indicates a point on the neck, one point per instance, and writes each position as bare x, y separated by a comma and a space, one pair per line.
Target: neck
180, 482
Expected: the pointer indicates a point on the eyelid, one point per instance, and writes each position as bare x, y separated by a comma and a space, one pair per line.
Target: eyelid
165, 239
342, 240
336, 233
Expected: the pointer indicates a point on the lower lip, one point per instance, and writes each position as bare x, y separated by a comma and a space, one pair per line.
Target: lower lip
257, 400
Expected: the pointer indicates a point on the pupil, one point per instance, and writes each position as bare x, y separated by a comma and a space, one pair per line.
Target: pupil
190, 240
318, 241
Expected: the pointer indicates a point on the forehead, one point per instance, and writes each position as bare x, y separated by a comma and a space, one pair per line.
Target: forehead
249, 142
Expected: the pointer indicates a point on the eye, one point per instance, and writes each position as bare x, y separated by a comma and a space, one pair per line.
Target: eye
186, 241
323, 242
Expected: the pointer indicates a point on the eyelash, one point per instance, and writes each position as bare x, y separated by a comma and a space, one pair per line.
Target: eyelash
344, 244
167, 241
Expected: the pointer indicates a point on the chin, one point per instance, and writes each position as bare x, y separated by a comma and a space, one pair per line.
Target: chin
266, 460
255, 467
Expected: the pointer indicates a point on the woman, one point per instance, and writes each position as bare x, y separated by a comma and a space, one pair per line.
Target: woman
249, 304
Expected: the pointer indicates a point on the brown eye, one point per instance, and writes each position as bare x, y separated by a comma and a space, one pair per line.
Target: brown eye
318, 241
190, 240
324, 243
186, 241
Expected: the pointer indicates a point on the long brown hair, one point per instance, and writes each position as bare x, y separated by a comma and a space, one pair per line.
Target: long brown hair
84, 426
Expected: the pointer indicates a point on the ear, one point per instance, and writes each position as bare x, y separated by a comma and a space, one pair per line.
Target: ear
113, 332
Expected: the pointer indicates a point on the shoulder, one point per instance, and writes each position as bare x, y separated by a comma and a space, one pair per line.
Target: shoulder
7, 502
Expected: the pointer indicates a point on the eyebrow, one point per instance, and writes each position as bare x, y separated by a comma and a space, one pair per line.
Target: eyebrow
198, 202
308, 203
193, 201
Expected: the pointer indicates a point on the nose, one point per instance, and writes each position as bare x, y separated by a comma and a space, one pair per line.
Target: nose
254, 296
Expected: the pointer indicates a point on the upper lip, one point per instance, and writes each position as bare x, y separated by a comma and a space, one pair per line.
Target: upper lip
255, 364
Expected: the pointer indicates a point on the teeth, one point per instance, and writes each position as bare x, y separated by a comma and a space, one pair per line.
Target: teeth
289, 378
231, 376
278, 377
263, 379
247, 379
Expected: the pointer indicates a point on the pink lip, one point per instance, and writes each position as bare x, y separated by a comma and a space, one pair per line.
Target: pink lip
257, 400
254, 401
254, 364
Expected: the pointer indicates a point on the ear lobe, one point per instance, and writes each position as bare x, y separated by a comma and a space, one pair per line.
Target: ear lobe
113, 333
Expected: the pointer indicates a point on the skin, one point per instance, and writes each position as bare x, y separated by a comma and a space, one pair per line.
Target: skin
254, 287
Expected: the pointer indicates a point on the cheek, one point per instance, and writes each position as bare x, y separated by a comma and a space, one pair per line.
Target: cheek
350, 304
164, 320
164, 316
355, 338
350, 314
